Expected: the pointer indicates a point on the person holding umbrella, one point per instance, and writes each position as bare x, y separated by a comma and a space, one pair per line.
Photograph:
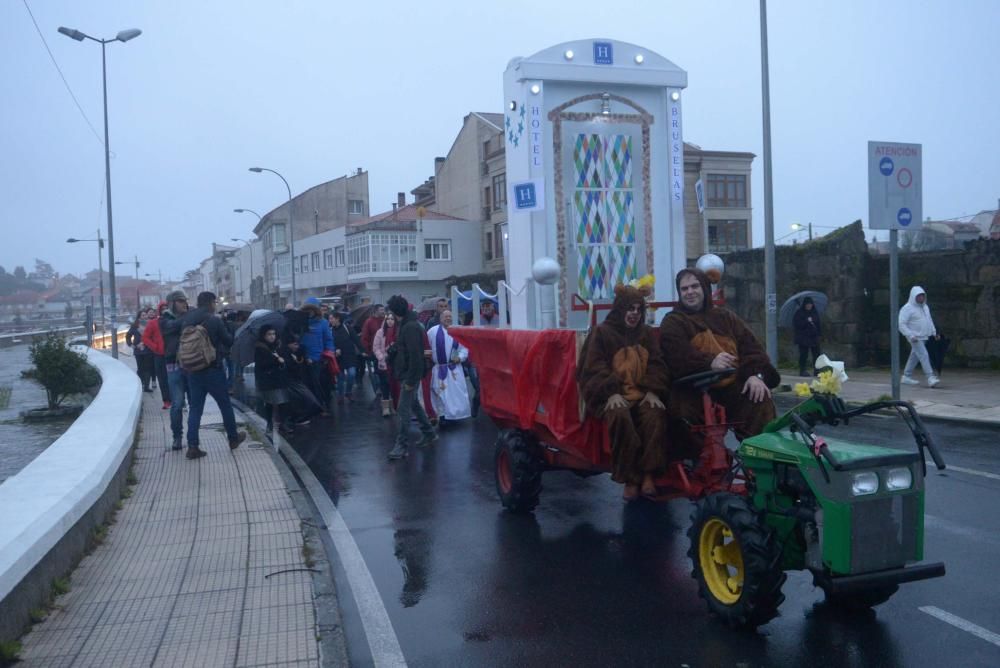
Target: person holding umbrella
808, 330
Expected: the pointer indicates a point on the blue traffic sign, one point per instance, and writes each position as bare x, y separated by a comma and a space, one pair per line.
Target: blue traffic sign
524, 196
904, 217
885, 166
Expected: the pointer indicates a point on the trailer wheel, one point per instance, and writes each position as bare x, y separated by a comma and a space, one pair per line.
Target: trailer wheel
518, 471
737, 561
862, 599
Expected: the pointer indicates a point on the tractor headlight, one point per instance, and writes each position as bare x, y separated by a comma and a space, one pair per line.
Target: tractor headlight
898, 479
864, 483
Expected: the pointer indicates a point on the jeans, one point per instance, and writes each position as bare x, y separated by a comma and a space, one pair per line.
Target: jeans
408, 403
345, 384
804, 352
918, 353
230, 371
210, 381
160, 366
177, 381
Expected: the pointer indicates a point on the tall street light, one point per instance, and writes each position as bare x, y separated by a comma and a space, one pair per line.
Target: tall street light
123, 36
291, 231
136, 263
259, 218
100, 268
770, 269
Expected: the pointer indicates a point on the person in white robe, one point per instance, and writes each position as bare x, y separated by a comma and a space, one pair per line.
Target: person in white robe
449, 392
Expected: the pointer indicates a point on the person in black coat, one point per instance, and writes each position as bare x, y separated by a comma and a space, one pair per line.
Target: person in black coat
808, 331
302, 403
271, 377
347, 344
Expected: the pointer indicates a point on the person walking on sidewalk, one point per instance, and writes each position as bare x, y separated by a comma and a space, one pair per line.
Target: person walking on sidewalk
384, 337
346, 343
210, 380
408, 366
143, 355
917, 325
808, 330
170, 329
271, 378
152, 338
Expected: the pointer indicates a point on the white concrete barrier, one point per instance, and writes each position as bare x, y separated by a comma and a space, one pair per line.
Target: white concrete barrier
41, 503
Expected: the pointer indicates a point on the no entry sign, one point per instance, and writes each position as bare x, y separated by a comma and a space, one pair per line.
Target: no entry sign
895, 197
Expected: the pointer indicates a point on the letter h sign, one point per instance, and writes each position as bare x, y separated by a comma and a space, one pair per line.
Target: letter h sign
524, 196
603, 53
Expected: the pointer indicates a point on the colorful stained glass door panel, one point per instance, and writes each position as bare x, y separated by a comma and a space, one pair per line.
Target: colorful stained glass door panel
588, 161
591, 213
617, 151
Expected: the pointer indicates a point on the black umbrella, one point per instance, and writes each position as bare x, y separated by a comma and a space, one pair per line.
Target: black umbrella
936, 348
246, 336
793, 303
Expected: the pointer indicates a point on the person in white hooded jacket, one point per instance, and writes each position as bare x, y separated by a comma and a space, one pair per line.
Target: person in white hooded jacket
917, 325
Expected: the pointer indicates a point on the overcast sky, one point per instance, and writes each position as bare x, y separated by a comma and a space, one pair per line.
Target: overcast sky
317, 88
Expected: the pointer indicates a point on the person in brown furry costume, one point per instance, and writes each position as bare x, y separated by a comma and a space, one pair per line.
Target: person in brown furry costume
698, 336
622, 377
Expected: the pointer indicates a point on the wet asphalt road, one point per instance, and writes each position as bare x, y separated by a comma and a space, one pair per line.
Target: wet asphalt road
589, 581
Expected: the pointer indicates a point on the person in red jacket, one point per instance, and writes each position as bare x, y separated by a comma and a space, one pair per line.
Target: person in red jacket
373, 323
152, 338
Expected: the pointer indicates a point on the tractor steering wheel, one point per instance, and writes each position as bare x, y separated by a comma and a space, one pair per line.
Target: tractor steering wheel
704, 379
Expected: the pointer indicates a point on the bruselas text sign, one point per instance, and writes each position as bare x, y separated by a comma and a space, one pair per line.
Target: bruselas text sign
895, 194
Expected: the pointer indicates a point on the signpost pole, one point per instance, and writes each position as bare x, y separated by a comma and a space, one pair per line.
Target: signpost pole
894, 310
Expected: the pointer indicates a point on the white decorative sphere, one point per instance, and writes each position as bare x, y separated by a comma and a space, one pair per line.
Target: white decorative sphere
545, 271
710, 261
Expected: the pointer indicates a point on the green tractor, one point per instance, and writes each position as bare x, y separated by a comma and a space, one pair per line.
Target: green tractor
851, 514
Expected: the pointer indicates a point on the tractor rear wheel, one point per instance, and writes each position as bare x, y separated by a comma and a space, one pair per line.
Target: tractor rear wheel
862, 599
737, 561
518, 471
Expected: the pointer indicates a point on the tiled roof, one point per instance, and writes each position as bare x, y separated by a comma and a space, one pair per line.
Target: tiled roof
406, 214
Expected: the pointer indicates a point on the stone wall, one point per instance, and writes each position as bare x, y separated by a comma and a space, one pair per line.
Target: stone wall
963, 289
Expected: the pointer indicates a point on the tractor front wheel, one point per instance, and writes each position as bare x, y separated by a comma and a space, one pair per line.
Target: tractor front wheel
737, 561
518, 471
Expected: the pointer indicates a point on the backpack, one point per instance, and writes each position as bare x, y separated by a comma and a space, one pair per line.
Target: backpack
195, 350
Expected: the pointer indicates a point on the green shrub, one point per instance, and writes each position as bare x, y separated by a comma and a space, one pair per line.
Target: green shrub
60, 370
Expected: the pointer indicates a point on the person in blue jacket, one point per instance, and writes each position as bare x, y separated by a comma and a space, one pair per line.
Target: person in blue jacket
314, 340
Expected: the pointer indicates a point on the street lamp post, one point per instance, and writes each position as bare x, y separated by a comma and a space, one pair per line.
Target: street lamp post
770, 269
123, 36
291, 230
250, 245
100, 269
159, 283
136, 262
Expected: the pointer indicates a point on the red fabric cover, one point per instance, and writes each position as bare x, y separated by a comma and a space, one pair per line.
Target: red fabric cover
329, 361
528, 381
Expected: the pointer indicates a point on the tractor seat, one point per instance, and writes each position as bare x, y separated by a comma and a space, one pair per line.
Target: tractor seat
704, 379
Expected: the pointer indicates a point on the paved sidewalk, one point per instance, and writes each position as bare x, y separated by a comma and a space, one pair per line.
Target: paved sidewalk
204, 566
968, 395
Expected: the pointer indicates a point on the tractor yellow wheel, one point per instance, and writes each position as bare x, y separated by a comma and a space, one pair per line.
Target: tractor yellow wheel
721, 561
736, 559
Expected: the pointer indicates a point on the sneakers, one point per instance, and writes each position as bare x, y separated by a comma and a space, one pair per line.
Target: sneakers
194, 452
398, 451
386, 408
908, 380
235, 442
933, 381
427, 439
166, 405
177, 445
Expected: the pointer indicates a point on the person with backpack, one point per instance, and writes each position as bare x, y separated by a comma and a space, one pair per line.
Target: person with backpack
408, 366
199, 352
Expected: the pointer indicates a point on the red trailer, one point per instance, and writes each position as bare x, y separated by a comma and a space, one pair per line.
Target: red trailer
528, 387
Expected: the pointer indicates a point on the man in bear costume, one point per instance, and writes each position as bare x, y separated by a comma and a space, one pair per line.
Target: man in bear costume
622, 377
698, 336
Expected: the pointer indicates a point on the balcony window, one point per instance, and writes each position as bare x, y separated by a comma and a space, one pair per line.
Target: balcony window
303, 264
437, 250
499, 192
382, 253
328, 258
314, 260
341, 256
727, 235
356, 207
727, 190
499, 234
284, 268
278, 237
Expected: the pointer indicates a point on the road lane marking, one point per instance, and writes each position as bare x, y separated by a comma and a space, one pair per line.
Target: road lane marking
991, 476
382, 640
962, 624
977, 535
